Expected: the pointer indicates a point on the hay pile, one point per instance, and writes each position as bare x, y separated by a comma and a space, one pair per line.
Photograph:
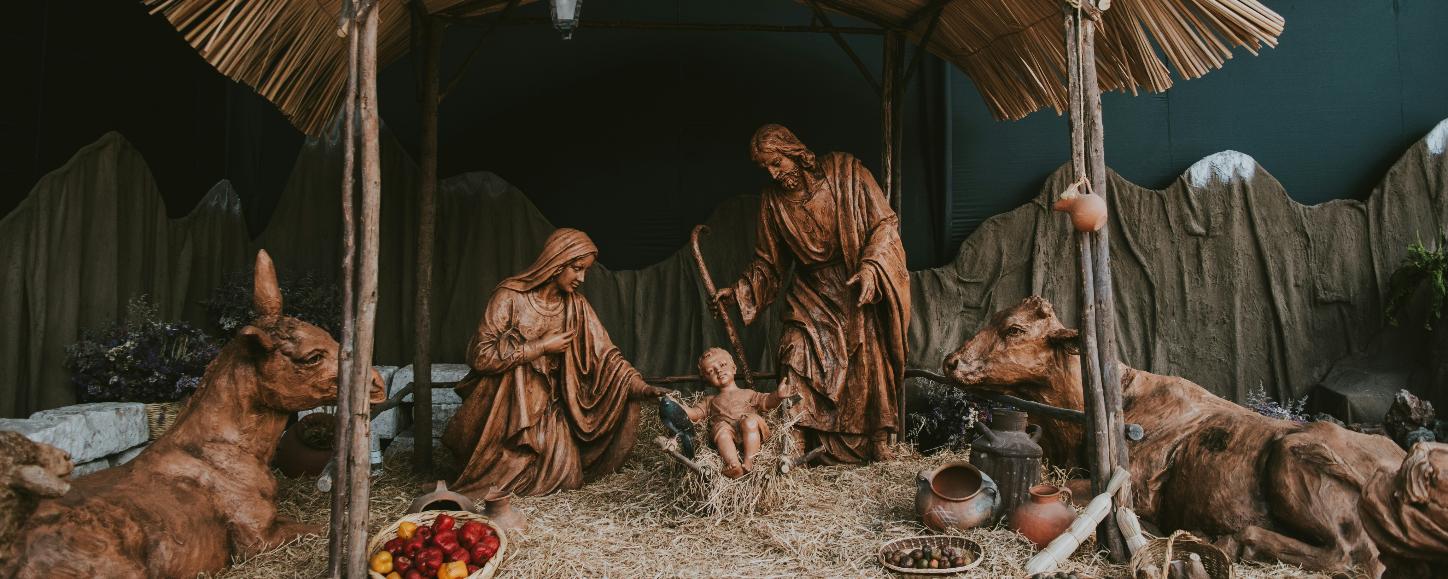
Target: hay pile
715, 495
824, 522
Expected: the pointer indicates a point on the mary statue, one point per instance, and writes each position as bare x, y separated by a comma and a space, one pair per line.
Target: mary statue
550, 401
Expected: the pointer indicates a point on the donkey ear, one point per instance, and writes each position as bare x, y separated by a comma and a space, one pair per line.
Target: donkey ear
266, 296
257, 339
1065, 338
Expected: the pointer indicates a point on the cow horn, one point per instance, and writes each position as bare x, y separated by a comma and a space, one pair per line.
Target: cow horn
266, 294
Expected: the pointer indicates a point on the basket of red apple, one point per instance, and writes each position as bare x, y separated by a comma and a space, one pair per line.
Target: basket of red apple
437, 544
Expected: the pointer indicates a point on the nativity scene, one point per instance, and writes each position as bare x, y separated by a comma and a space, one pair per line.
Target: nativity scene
449, 310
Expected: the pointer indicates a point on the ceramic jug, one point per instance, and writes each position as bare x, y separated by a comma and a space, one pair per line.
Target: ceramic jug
955, 495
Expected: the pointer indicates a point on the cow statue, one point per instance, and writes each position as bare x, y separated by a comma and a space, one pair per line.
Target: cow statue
1259, 487
202, 492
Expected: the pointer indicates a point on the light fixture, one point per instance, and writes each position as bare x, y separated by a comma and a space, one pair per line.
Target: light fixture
565, 15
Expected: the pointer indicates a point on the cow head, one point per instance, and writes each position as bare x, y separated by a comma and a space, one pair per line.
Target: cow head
296, 362
1022, 346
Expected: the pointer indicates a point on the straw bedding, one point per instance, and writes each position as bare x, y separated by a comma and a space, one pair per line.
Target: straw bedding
651, 520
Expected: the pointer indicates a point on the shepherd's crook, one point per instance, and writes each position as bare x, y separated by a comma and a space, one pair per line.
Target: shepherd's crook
720, 310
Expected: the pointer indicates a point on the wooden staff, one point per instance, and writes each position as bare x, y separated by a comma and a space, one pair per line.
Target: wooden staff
720, 310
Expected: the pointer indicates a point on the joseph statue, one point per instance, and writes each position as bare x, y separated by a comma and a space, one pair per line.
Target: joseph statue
846, 313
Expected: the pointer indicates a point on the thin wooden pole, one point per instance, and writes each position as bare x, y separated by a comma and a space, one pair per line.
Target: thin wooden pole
336, 541
359, 481
1101, 253
1085, 149
426, 220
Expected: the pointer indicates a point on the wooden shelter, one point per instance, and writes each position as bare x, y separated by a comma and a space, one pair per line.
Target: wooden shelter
313, 57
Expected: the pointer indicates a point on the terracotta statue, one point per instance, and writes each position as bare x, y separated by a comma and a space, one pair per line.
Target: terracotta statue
843, 345
29, 471
202, 493
550, 401
1315, 495
736, 415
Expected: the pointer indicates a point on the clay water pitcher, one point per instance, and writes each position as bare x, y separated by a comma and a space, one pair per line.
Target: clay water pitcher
955, 495
1007, 452
500, 510
1045, 516
441, 499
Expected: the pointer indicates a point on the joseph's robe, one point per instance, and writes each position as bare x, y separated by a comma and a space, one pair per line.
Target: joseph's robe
846, 360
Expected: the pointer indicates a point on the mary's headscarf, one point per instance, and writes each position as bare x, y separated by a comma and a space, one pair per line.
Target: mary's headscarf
562, 247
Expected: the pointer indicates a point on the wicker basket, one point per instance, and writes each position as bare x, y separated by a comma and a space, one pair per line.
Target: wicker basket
1161, 552
161, 415
932, 541
389, 533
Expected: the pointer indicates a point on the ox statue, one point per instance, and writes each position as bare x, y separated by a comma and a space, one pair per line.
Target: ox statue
202, 492
1314, 495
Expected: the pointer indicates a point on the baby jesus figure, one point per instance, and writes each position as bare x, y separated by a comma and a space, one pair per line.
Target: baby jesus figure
735, 414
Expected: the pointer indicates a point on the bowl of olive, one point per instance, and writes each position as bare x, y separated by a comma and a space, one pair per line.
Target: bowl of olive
931, 555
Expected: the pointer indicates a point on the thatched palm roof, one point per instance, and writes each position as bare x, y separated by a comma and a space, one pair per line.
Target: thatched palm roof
1013, 50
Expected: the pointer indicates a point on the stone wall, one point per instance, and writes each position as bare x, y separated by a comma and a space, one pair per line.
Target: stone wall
101, 435
97, 436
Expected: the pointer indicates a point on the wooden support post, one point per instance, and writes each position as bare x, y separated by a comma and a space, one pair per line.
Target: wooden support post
358, 463
891, 141
897, 137
337, 539
426, 220
1105, 295
894, 54
1101, 444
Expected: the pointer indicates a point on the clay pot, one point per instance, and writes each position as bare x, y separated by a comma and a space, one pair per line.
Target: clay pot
296, 456
500, 510
439, 499
955, 495
1045, 516
1087, 211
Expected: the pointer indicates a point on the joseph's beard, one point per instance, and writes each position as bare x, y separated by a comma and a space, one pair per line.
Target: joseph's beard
792, 181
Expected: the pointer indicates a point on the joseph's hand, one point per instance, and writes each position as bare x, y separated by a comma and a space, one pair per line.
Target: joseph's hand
721, 300
865, 279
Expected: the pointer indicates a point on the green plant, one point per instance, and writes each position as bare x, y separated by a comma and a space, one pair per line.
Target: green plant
307, 297
140, 359
1420, 265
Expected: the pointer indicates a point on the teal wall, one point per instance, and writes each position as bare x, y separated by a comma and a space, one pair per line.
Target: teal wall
635, 136
1352, 84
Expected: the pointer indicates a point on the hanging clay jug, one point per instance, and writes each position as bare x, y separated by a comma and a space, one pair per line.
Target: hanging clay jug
1087, 210
441, 499
500, 510
1045, 516
1007, 452
955, 495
